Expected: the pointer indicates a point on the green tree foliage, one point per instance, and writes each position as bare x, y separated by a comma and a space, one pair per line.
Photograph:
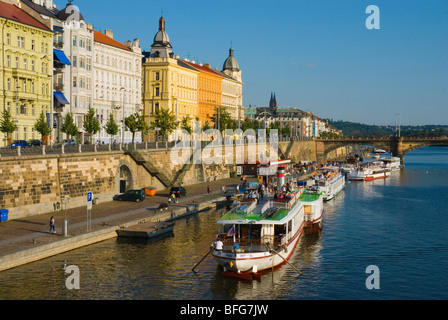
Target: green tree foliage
68, 126
134, 123
166, 121
111, 127
91, 123
7, 125
41, 125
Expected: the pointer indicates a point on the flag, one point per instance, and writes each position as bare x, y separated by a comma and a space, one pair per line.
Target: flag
231, 232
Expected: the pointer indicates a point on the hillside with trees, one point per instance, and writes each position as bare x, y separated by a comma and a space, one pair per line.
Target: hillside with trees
364, 130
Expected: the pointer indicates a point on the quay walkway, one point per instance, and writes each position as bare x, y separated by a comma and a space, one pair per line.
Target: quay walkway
26, 240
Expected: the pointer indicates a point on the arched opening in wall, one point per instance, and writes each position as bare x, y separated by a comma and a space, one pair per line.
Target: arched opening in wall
125, 179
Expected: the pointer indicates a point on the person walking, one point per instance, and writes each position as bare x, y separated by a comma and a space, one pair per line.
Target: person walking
52, 228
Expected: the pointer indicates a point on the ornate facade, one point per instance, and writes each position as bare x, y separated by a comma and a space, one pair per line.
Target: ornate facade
26, 69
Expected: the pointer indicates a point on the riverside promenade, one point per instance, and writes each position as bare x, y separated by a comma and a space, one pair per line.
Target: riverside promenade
27, 240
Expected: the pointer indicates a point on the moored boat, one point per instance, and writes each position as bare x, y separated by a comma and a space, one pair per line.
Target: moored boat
331, 181
260, 236
371, 171
392, 164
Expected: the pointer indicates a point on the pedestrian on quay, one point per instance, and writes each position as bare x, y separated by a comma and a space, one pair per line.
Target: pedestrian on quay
52, 228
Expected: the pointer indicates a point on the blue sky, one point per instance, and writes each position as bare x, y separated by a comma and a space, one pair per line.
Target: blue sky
316, 55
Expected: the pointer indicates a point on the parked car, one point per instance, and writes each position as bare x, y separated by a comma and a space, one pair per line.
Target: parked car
131, 195
69, 142
19, 143
178, 191
37, 143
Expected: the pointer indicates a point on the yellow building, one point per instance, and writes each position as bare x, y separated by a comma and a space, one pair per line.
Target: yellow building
168, 82
26, 65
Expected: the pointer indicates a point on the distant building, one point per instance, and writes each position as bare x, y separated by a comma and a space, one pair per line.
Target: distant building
300, 123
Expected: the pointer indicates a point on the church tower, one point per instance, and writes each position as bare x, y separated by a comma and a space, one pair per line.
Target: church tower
273, 102
161, 47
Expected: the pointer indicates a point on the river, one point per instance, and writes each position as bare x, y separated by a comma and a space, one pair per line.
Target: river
398, 225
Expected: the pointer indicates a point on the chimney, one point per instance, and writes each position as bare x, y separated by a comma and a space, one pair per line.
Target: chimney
109, 33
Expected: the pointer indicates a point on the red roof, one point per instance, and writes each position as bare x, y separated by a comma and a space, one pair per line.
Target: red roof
102, 38
203, 68
14, 13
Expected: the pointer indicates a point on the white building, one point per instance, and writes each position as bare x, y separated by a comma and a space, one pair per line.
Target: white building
117, 82
232, 88
73, 64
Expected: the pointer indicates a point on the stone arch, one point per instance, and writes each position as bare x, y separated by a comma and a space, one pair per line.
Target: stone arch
124, 177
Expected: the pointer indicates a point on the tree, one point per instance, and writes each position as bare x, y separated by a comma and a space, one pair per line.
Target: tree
135, 122
185, 124
223, 117
7, 126
68, 126
111, 127
91, 124
166, 121
41, 126
206, 126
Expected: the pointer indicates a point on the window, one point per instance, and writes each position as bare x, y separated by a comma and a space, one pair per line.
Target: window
157, 91
89, 101
20, 42
89, 64
82, 42
74, 41
75, 61
8, 84
23, 109
88, 83
8, 39
32, 65
74, 82
25, 63
24, 86
89, 45
157, 76
82, 83
32, 109
17, 62
8, 61
75, 101
82, 62
33, 45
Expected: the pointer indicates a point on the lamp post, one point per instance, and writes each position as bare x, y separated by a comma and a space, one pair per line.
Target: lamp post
122, 125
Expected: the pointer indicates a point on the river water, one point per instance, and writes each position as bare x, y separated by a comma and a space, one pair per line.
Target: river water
398, 225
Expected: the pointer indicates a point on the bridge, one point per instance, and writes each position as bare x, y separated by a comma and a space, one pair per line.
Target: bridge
396, 146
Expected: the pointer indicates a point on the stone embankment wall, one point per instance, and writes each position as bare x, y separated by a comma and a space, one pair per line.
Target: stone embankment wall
36, 184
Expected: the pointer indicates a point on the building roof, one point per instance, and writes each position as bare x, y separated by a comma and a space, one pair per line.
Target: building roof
14, 13
53, 13
204, 68
102, 38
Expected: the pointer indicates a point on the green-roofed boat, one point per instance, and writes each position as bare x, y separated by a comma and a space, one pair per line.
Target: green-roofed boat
260, 235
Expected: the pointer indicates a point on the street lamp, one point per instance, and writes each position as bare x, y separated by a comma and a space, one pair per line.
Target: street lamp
122, 128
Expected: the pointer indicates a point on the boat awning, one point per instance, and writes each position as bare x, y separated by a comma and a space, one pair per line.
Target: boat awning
61, 98
60, 56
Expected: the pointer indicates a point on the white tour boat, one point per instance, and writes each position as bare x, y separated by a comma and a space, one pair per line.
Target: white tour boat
260, 236
331, 181
393, 164
371, 171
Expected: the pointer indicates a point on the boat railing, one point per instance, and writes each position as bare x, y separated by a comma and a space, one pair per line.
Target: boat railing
246, 244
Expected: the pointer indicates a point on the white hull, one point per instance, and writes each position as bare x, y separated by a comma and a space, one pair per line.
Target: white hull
332, 187
259, 257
